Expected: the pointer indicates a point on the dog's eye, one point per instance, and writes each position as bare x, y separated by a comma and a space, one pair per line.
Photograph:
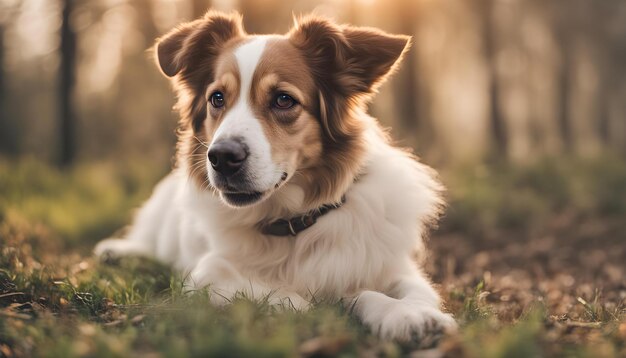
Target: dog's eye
217, 99
283, 101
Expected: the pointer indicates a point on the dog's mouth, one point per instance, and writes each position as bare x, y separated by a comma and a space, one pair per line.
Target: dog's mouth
243, 195
241, 199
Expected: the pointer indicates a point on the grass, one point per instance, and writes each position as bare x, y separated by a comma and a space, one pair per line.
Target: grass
487, 200
81, 205
529, 259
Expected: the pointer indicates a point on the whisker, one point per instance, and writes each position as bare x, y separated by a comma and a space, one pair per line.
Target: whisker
206, 185
197, 164
194, 171
201, 142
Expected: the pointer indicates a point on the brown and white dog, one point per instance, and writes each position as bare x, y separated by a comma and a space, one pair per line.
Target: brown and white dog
285, 188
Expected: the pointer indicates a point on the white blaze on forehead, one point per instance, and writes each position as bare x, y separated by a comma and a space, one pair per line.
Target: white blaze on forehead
240, 121
240, 118
248, 56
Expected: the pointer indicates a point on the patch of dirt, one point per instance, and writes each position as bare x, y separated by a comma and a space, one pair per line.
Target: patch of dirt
575, 268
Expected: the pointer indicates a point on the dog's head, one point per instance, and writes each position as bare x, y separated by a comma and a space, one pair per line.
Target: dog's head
257, 110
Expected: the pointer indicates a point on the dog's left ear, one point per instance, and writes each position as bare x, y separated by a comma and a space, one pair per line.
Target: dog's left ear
372, 55
348, 64
356, 59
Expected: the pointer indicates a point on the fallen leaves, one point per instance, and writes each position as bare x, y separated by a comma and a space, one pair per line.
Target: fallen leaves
324, 346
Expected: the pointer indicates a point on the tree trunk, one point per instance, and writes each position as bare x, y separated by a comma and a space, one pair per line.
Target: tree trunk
564, 95
145, 11
407, 93
7, 133
564, 32
66, 86
497, 125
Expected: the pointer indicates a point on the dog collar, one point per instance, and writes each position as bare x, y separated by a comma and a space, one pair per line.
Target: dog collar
297, 224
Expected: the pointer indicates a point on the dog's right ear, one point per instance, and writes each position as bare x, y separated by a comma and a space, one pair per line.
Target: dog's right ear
168, 48
190, 43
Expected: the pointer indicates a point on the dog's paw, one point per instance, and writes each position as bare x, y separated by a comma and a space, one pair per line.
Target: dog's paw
405, 325
110, 250
408, 323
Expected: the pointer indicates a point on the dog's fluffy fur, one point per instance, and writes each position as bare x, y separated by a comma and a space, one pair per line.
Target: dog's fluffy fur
320, 148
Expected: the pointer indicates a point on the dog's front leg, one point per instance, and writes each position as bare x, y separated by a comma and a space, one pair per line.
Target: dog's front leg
225, 282
410, 311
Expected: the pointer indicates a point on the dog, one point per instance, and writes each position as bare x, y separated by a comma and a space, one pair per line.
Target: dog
285, 189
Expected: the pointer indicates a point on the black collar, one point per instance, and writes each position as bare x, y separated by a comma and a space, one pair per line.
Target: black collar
297, 224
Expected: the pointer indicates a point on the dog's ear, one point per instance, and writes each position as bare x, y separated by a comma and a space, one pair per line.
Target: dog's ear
372, 55
194, 41
357, 59
348, 64
168, 48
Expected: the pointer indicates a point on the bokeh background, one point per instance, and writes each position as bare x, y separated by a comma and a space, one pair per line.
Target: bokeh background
519, 104
514, 79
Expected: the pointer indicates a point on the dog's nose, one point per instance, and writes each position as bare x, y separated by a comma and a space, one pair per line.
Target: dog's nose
227, 156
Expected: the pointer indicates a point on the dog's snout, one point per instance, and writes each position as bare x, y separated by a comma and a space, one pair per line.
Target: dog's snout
227, 156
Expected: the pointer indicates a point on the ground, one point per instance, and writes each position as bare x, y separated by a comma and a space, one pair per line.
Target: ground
529, 258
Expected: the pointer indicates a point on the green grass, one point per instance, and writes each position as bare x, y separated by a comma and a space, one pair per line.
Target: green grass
486, 200
80, 205
139, 306
58, 301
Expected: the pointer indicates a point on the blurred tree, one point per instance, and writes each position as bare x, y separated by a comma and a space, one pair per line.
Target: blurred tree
407, 97
563, 30
616, 98
66, 85
145, 11
563, 35
610, 50
9, 140
5, 138
497, 123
